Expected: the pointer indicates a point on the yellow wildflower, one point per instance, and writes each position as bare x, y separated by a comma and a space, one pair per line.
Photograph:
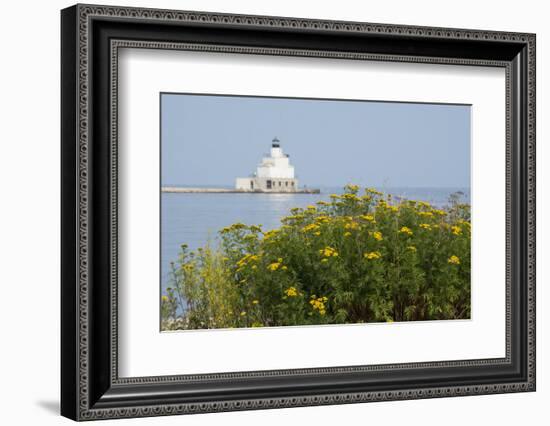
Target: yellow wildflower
270, 234
351, 225
372, 255
234, 227
405, 230
322, 219
291, 292
165, 298
349, 196
255, 302
372, 191
328, 252
425, 226
310, 227
465, 223
294, 218
274, 266
367, 217
382, 203
454, 260
318, 304
377, 235
457, 230
188, 267
347, 234
425, 214
247, 259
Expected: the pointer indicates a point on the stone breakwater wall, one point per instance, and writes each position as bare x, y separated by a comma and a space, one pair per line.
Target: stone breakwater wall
234, 191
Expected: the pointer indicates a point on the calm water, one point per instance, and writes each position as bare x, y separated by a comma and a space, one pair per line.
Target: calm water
193, 219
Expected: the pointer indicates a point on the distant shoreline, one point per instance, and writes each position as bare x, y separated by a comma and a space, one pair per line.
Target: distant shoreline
185, 190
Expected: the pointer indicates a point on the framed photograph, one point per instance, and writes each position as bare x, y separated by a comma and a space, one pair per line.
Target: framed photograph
263, 212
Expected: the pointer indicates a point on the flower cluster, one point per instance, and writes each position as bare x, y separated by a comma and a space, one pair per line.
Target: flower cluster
372, 255
310, 227
291, 292
318, 304
454, 260
351, 225
367, 217
248, 258
406, 230
270, 234
328, 252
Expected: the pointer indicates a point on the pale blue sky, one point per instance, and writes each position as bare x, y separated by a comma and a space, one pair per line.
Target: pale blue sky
211, 140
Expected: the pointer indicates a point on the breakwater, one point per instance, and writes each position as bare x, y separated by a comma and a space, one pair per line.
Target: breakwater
186, 190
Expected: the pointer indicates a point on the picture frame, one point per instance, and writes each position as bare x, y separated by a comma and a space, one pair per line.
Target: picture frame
91, 387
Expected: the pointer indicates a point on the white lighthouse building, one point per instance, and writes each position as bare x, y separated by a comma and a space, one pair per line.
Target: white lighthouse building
273, 174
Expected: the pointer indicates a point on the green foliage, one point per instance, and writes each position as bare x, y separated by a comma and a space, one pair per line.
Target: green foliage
358, 258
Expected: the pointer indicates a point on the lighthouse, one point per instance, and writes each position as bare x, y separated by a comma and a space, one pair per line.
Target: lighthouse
273, 174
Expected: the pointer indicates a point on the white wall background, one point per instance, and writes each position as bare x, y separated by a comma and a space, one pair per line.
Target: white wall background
29, 212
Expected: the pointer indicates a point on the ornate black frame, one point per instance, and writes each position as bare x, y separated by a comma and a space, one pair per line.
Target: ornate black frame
91, 37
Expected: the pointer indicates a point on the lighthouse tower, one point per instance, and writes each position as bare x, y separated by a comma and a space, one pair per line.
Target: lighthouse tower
273, 174
277, 165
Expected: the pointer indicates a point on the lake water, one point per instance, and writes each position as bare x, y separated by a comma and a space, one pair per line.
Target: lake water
193, 219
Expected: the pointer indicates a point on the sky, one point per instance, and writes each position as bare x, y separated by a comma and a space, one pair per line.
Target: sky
209, 140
